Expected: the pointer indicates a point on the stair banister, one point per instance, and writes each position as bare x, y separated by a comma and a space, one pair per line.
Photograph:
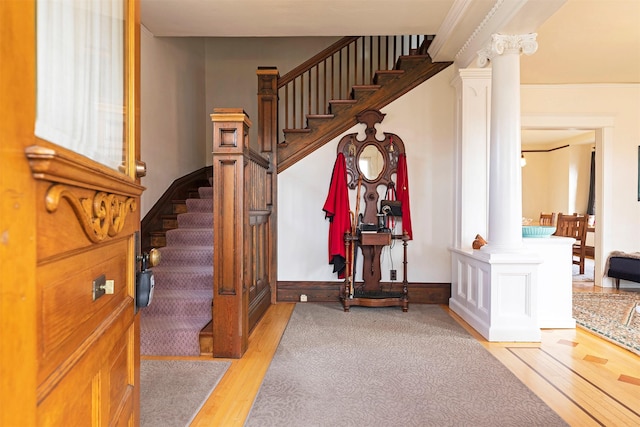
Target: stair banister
308, 88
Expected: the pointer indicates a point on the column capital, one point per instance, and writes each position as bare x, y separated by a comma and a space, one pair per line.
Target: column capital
501, 43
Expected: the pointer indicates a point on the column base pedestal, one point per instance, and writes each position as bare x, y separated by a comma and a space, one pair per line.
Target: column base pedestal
497, 293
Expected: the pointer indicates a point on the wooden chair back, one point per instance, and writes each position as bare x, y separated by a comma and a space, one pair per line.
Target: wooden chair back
574, 226
547, 218
571, 226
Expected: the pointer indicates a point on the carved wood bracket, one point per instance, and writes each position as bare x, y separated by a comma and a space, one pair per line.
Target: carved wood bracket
114, 195
101, 216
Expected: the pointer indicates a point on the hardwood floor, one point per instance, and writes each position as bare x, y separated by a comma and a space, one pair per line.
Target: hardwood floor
231, 400
585, 379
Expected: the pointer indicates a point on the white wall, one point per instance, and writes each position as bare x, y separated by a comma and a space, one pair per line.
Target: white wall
231, 65
619, 158
424, 119
173, 111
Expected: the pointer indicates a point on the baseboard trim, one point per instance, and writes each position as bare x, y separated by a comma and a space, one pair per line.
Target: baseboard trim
419, 293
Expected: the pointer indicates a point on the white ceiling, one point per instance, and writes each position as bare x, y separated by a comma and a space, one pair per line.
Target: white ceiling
291, 18
584, 41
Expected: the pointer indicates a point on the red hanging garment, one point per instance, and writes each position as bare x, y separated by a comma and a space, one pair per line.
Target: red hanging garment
336, 208
402, 192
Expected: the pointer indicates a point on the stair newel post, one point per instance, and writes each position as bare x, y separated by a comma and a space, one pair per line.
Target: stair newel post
268, 143
230, 219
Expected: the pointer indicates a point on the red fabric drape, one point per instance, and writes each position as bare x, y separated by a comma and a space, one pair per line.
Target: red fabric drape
402, 193
336, 208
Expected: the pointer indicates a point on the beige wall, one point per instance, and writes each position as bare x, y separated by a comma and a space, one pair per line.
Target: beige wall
556, 180
231, 65
618, 104
183, 79
579, 171
172, 111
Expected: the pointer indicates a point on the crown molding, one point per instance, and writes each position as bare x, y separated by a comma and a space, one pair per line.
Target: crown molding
469, 26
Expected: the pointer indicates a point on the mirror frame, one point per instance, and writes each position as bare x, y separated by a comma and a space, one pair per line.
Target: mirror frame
390, 148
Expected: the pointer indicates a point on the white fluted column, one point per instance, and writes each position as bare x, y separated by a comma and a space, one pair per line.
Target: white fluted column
505, 175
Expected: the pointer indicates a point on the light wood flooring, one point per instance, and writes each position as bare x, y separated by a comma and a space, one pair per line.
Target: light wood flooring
586, 380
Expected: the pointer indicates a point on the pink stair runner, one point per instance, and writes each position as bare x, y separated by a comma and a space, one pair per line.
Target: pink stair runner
181, 304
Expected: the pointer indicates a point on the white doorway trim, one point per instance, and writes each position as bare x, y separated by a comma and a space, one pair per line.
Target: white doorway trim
603, 126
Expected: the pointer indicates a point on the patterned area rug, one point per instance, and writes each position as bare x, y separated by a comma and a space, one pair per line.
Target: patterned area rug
382, 367
613, 316
173, 391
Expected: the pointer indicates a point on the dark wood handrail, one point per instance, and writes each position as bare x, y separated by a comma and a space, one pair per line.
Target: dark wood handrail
258, 158
316, 59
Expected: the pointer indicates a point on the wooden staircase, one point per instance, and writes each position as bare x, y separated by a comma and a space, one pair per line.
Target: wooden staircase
356, 70
163, 216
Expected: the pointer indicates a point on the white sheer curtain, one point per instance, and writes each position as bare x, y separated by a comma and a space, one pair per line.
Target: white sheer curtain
80, 77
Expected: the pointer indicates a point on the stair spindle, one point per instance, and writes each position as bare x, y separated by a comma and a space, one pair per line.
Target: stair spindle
286, 107
309, 93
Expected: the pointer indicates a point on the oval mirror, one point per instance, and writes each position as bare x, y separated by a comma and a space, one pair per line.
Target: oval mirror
371, 162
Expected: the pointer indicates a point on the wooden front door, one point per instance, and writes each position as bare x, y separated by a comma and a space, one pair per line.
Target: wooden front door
68, 233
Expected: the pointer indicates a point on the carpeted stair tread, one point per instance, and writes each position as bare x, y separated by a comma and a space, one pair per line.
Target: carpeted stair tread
200, 205
189, 236
187, 280
188, 302
171, 336
187, 255
193, 272
195, 220
205, 192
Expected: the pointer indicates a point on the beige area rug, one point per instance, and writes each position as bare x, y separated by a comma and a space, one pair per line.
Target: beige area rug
173, 391
383, 367
613, 316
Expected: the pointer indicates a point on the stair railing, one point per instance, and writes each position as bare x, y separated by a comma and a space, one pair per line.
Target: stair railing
330, 75
242, 232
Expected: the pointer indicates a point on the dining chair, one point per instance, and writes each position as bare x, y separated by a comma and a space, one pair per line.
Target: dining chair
574, 226
547, 218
